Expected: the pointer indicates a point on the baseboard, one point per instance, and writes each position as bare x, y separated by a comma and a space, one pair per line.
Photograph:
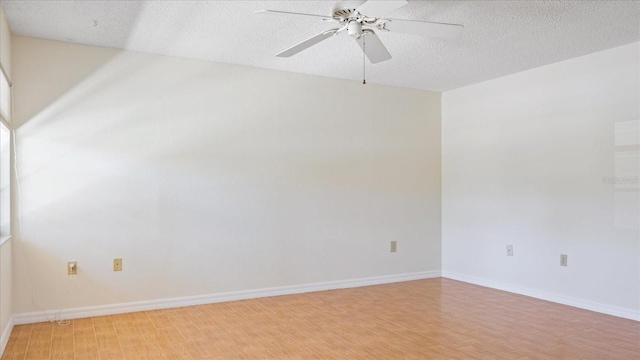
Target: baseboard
582, 304
75, 313
6, 332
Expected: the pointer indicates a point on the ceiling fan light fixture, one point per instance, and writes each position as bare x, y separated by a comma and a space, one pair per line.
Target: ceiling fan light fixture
354, 29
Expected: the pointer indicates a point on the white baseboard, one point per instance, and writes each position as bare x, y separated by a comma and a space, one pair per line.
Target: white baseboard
582, 304
6, 332
41, 316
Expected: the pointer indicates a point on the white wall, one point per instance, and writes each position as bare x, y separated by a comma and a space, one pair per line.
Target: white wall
523, 162
5, 43
6, 274
210, 178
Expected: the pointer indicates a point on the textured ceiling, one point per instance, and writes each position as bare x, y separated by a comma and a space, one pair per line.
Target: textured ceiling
500, 37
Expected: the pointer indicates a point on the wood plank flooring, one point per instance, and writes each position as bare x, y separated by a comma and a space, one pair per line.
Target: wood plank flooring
425, 319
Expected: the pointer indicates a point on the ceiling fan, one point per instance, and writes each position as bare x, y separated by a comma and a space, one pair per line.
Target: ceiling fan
359, 18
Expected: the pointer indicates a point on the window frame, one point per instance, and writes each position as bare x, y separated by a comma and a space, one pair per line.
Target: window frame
6, 143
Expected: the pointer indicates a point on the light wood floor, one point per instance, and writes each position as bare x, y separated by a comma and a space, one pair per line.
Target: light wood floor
425, 319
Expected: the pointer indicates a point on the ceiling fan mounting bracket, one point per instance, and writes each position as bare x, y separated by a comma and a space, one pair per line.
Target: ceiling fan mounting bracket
343, 10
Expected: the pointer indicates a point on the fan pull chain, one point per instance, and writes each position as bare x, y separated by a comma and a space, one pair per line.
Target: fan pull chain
364, 49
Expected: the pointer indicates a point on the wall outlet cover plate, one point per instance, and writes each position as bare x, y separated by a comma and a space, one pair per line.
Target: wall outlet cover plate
72, 268
117, 264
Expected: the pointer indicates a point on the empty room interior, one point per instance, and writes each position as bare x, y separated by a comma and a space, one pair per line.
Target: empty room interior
319, 179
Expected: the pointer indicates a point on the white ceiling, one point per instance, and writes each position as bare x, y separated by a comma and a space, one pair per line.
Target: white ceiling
500, 37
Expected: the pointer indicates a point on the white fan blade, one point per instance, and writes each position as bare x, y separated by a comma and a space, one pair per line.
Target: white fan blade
286, 13
307, 43
373, 47
379, 8
424, 28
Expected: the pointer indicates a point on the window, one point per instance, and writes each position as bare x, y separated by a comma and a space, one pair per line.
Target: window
5, 176
5, 160
5, 98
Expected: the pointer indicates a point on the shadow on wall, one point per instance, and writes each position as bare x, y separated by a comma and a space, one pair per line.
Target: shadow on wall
55, 96
91, 170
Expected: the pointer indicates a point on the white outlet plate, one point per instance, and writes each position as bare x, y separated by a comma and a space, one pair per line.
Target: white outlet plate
509, 250
563, 259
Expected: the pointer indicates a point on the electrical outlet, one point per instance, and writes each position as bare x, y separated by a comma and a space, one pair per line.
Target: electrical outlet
393, 246
509, 250
563, 259
72, 268
117, 264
